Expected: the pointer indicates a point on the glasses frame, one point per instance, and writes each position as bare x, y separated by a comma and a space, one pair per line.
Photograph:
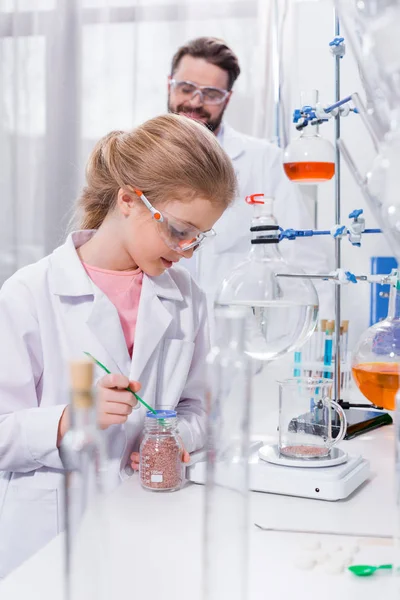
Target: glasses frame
199, 90
160, 218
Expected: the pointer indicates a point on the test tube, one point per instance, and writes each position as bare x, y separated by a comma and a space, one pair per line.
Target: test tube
345, 325
321, 345
330, 326
345, 352
297, 364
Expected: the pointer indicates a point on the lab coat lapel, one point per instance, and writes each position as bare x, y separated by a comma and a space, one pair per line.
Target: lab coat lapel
69, 279
105, 325
153, 320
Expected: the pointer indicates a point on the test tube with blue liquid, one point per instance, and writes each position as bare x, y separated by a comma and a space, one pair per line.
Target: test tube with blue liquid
328, 348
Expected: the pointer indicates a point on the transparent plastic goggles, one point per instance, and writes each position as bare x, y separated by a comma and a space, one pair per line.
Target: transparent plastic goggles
209, 95
178, 235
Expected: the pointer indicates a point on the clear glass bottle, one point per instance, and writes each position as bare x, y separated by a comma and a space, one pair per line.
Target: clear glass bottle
227, 486
84, 457
161, 450
282, 311
309, 158
384, 182
376, 357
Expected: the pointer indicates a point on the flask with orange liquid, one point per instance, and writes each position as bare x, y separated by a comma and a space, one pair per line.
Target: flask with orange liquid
309, 158
376, 358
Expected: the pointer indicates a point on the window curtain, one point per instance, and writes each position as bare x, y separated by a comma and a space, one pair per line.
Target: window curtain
72, 70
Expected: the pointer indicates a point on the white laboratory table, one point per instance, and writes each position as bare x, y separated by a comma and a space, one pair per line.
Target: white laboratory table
155, 541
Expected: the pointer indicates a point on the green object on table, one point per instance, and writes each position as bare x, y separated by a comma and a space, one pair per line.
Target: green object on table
367, 570
128, 388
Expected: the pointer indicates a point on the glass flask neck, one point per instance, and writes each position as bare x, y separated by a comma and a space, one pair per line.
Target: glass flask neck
265, 231
160, 426
266, 251
230, 323
309, 98
311, 131
394, 301
83, 414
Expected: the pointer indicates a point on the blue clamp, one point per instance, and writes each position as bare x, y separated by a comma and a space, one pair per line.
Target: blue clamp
350, 277
289, 234
339, 231
309, 112
356, 213
337, 46
337, 41
296, 115
292, 234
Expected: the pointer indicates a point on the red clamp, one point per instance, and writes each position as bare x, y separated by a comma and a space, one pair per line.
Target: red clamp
252, 199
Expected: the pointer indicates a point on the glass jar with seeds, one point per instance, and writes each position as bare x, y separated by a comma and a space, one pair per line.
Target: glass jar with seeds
161, 450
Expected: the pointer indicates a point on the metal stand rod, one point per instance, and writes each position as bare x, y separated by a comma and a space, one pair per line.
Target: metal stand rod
338, 257
321, 276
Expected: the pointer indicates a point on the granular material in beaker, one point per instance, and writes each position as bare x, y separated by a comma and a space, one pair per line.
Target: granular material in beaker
304, 451
161, 463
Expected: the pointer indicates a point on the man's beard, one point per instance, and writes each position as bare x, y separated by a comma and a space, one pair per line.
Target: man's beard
211, 124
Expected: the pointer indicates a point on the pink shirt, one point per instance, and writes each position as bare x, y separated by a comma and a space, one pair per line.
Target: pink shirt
123, 289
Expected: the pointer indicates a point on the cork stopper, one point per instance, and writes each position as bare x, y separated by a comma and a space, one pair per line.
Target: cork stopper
323, 324
81, 381
345, 325
330, 326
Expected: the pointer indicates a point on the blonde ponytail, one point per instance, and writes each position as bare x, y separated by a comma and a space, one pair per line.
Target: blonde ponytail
170, 158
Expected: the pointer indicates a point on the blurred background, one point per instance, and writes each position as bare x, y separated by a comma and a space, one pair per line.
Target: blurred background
72, 70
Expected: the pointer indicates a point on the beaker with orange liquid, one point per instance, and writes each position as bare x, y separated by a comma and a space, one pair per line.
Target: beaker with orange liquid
309, 158
376, 358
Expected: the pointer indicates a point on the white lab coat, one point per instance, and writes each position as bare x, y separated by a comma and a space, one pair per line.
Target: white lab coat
50, 312
259, 170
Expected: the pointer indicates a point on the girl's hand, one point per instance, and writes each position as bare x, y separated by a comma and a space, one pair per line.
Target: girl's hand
114, 402
135, 459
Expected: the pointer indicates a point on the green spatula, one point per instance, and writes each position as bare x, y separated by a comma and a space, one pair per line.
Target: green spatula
128, 388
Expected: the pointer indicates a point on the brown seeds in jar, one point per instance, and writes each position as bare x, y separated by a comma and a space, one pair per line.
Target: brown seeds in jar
161, 463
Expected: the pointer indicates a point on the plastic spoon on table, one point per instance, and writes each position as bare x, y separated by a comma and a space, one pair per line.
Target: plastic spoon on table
367, 570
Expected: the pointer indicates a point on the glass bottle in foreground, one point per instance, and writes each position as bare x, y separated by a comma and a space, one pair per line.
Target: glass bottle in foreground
227, 487
84, 457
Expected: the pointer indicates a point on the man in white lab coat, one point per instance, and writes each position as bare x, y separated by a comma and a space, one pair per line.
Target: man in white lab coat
200, 85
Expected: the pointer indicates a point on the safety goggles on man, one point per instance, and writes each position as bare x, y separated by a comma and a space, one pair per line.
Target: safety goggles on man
187, 90
177, 234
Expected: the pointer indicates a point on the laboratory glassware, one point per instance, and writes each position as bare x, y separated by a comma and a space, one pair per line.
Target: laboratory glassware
228, 400
309, 158
371, 29
83, 455
318, 355
161, 452
384, 182
372, 32
282, 311
376, 357
305, 418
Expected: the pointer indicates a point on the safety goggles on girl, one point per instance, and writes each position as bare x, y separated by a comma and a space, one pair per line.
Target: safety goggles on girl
178, 235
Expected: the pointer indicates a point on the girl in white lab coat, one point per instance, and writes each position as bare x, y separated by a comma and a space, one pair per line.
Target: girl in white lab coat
114, 289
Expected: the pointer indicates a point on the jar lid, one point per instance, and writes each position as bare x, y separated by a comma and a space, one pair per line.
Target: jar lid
161, 414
